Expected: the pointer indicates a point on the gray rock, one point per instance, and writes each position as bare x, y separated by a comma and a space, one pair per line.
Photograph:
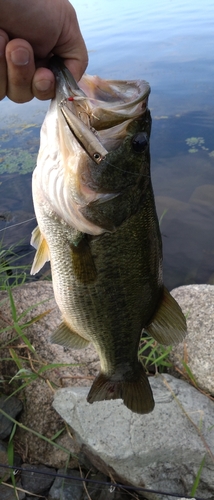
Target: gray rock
162, 451
36, 483
12, 406
7, 493
104, 492
197, 303
66, 489
4, 472
32, 498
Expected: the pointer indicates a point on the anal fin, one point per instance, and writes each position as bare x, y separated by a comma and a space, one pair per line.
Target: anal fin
168, 325
66, 337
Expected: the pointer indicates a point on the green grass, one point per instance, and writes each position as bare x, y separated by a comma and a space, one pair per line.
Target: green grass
11, 274
197, 479
153, 355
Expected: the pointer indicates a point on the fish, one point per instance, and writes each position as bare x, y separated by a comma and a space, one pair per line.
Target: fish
98, 226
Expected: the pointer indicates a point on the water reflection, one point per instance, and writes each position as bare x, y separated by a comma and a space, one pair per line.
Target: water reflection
183, 180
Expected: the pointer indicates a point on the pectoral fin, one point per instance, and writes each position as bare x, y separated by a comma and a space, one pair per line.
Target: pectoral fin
169, 324
36, 237
42, 255
64, 336
83, 263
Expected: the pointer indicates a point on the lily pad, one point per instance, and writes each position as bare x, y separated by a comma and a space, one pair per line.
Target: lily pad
195, 141
192, 150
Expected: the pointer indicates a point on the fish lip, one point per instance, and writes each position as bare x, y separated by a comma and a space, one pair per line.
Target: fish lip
116, 100
86, 138
66, 83
67, 87
87, 114
67, 90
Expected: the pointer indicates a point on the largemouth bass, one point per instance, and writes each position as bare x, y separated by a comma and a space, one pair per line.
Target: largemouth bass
97, 225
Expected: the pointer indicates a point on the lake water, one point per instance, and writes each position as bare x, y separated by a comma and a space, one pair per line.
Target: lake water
171, 45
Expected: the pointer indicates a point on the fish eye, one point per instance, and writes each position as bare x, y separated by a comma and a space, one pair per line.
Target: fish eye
96, 156
140, 142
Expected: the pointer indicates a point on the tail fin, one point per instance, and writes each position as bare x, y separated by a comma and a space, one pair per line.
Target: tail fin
136, 393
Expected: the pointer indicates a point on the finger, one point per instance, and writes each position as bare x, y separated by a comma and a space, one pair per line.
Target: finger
20, 70
76, 59
43, 86
78, 63
71, 46
3, 65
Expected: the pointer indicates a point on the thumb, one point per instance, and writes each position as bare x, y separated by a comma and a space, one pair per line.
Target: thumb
71, 46
76, 60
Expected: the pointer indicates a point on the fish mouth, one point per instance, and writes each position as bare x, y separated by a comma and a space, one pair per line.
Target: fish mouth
88, 121
98, 111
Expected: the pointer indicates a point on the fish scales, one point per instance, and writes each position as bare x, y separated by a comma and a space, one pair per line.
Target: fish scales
104, 307
101, 233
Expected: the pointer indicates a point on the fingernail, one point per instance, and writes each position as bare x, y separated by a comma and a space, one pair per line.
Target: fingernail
20, 57
2, 45
43, 85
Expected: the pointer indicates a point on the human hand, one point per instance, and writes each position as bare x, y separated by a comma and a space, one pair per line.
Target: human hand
29, 33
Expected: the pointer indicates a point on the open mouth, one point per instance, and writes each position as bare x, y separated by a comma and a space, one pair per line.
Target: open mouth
98, 111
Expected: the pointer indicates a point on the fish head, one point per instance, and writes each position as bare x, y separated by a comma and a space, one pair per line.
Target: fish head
103, 138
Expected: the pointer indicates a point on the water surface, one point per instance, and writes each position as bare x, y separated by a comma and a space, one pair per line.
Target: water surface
171, 46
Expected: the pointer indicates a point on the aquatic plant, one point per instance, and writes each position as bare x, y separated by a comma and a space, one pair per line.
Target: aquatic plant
17, 160
196, 143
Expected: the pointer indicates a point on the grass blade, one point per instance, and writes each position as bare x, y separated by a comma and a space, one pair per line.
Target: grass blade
148, 343
35, 433
15, 358
189, 373
12, 304
197, 479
